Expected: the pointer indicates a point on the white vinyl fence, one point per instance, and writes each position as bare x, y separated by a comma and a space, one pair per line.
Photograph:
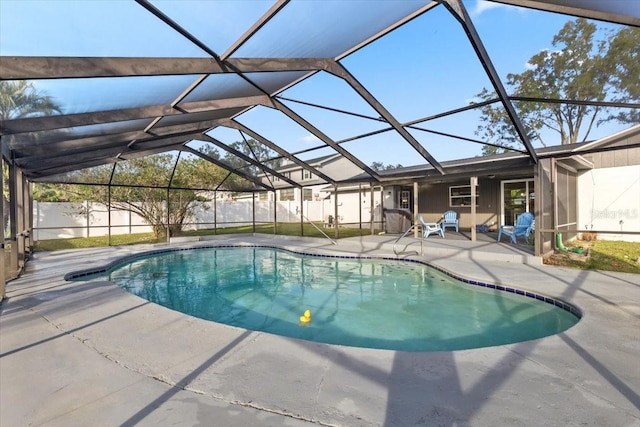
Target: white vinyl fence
66, 220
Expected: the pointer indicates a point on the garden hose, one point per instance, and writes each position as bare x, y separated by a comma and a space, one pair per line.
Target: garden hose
559, 244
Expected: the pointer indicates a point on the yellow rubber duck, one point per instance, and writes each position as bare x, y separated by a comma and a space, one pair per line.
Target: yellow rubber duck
306, 317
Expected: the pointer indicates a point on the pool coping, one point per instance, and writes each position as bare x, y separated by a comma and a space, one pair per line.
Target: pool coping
73, 354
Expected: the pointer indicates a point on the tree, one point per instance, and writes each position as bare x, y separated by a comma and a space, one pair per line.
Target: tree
140, 186
253, 149
19, 99
624, 53
579, 68
379, 166
45, 192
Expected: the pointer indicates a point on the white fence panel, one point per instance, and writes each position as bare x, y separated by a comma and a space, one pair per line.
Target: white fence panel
58, 220
66, 220
53, 220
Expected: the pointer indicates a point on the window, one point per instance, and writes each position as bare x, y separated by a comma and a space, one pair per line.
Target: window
307, 194
306, 174
460, 195
405, 199
287, 195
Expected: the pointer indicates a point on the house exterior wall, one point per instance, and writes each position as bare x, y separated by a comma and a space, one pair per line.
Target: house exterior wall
390, 195
610, 200
434, 201
617, 158
335, 167
609, 194
355, 206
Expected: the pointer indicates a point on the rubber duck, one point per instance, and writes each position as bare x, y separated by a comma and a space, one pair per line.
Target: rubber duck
306, 317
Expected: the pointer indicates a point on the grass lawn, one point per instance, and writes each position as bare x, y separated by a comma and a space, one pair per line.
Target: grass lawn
605, 255
134, 239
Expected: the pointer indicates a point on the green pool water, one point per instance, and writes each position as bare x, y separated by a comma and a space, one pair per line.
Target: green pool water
385, 304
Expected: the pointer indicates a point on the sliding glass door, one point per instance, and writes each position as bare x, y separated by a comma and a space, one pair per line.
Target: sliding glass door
517, 197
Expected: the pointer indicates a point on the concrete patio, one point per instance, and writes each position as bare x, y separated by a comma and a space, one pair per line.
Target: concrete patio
78, 354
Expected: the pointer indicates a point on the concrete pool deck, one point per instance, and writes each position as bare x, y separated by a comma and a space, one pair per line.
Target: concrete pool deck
89, 353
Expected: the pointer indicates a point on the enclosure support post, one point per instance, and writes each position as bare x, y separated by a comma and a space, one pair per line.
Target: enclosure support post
382, 208
168, 218
473, 181
554, 199
372, 213
109, 217
335, 211
415, 210
28, 218
113, 171
215, 212
537, 186
87, 211
2, 266
360, 208
253, 210
20, 183
13, 214
301, 211
275, 211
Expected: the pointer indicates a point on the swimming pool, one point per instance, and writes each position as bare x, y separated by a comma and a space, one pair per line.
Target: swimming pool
374, 303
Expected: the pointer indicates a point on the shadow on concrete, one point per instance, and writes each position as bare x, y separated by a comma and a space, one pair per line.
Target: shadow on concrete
183, 383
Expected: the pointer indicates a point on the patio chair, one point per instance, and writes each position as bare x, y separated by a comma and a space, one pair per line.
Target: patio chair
524, 226
449, 219
430, 227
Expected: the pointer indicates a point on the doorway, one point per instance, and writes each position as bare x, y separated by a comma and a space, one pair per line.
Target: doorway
518, 196
405, 198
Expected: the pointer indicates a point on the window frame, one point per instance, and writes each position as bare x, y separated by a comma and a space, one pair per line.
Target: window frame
289, 193
462, 196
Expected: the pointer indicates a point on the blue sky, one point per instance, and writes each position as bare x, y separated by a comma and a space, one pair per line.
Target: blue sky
423, 68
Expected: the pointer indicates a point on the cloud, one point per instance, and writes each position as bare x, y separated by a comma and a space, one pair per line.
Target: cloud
484, 5
308, 139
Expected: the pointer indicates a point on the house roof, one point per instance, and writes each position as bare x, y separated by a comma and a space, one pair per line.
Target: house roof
513, 164
317, 162
171, 76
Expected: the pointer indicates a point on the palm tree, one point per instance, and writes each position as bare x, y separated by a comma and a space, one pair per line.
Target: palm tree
20, 99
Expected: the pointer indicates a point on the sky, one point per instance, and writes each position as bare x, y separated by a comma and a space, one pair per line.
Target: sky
424, 68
